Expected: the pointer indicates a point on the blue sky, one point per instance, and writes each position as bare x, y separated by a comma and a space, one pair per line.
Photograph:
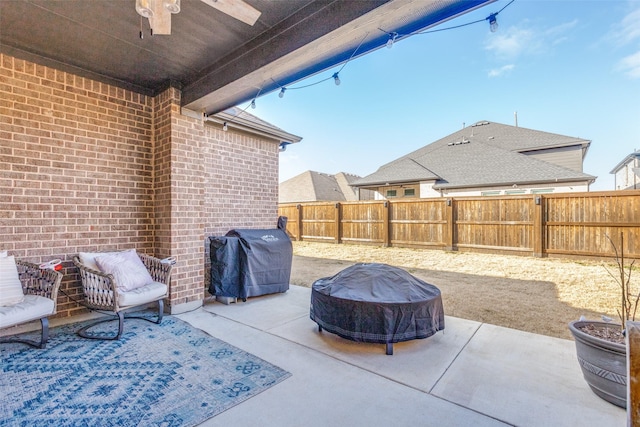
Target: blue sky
568, 67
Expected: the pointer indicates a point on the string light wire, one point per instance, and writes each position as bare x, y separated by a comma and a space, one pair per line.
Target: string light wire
252, 104
393, 37
332, 77
416, 33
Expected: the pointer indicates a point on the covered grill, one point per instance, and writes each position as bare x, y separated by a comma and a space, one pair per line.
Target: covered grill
377, 303
251, 262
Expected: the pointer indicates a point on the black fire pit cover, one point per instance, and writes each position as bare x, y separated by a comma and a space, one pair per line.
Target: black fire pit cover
376, 303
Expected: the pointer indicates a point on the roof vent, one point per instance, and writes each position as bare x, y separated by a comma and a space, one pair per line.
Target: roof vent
464, 141
480, 124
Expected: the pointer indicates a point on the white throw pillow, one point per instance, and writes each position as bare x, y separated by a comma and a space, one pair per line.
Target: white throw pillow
88, 259
3, 254
127, 269
10, 286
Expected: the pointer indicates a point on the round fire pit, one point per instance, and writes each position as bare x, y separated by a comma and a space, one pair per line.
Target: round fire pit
376, 303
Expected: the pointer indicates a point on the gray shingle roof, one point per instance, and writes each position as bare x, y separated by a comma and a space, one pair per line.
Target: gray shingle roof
344, 181
402, 170
238, 113
481, 155
313, 186
236, 117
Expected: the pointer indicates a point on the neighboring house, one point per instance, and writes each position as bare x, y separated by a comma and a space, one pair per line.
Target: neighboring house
627, 172
485, 159
313, 186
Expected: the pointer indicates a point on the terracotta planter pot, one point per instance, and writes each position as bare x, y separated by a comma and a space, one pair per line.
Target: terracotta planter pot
603, 363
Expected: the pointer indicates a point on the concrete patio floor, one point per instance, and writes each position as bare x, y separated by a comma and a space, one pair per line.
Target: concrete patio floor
471, 374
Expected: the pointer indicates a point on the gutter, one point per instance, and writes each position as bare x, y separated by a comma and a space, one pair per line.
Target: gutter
590, 180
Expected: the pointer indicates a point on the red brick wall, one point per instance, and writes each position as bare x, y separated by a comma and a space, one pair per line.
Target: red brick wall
76, 171
241, 181
241, 184
87, 166
185, 214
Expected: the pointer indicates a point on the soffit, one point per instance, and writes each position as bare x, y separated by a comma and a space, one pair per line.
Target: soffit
216, 60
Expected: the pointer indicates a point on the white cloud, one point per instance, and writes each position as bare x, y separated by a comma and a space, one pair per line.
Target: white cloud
629, 28
509, 43
627, 32
523, 39
630, 65
558, 32
497, 72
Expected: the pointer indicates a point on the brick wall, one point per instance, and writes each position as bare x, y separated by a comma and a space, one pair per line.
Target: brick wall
187, 178
240, 186
76, 171
241, 181
87, 166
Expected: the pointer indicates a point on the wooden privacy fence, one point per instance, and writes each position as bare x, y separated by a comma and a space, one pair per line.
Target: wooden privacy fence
570, 224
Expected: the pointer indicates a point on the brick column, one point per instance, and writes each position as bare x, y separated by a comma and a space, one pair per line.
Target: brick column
179, 200
206, 182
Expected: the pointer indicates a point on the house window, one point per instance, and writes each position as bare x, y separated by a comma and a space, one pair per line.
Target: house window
490, 193
542, 190
391, 193
409, 192
514, 192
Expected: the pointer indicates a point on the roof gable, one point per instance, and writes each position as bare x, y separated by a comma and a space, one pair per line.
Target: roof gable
402, 170
311, 186
625, 161
326, 187
476, 164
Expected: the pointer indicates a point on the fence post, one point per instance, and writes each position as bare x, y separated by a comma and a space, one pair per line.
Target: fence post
299, 207
449, 225
338, 215
385, 223
633, 373
538, 226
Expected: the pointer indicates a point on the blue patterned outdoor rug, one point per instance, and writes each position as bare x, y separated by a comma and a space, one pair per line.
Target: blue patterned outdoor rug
156, 375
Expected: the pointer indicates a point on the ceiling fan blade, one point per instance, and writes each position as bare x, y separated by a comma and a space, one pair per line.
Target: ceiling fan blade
237, 9
160, 22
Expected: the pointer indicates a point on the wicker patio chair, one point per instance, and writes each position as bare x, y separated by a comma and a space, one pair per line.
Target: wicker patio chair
101, 293
40, 288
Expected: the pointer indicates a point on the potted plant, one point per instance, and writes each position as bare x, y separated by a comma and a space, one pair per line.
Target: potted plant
600, 345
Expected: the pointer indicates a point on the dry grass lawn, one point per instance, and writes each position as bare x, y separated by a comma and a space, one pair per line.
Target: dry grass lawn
539, 295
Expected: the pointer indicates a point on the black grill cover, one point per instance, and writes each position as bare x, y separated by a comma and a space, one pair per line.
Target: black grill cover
225, 267
265, 260
251, 262
377, 303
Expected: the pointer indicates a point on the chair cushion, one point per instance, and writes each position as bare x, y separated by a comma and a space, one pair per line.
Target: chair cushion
148, 293
33, 307
127, 269
10, 286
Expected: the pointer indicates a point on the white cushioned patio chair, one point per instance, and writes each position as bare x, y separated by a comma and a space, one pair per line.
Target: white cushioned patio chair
27, 293
119, 281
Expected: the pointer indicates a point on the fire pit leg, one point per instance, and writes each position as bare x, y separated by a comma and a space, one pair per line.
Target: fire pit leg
319, 328
389, 348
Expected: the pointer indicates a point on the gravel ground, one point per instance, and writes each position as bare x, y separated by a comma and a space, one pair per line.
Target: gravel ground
539, 295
